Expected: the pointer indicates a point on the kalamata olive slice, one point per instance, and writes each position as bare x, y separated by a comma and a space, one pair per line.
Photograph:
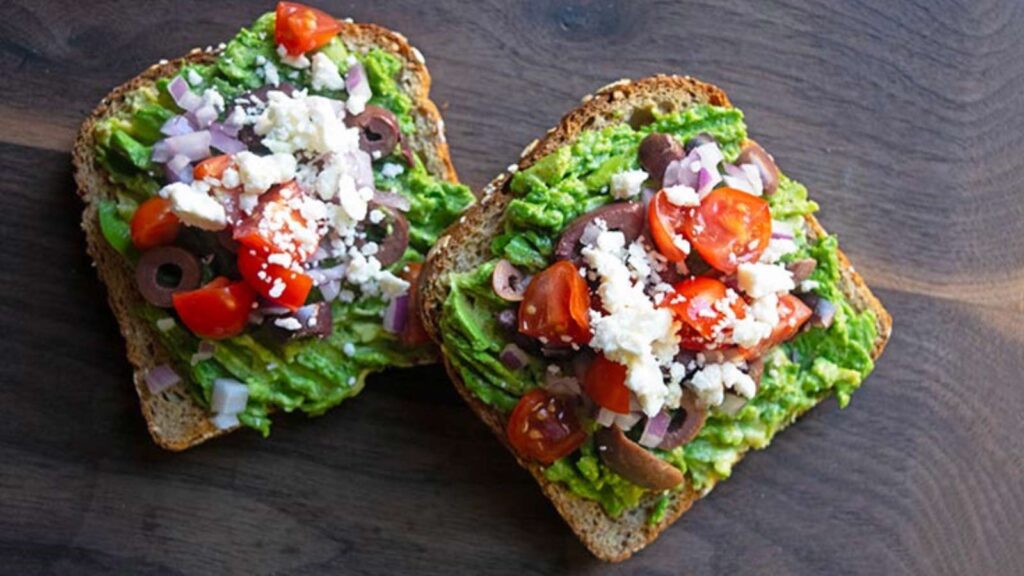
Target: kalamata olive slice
753, 154
378, 130
698, 141
163, 271
508, 281
314, 319
802, 269
627, 217
686, 423
824, 311
634, 462
391, 235
657, 151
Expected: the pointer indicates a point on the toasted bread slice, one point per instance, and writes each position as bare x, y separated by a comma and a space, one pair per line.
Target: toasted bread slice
467, 244
174, 419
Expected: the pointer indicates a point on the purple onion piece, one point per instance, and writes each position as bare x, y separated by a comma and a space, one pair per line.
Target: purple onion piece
397, 314
330, 290
183, 96
223, 141
513, 357
229, 396
655, 429
392, 200
160, 378
177, 126
195, 146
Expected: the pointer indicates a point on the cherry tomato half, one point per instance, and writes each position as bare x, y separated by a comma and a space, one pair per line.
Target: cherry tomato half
556, 306
793, 313
728, 228
153, 224
278, 284
665, 220
693, 302
275, 227
300, 28
544, 428
212, 167
218, 310
605, 383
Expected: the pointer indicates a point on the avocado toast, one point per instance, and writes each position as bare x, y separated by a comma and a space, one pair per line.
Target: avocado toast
639, 301
258, 212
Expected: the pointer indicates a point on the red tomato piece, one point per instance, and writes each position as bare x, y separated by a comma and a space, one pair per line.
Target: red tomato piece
665, 219
605, 383
276, 227
212, 167
278, 284
556, 306
153, 224
218, 310
544, 428
728, 228
793, 313
300, 28
695, 303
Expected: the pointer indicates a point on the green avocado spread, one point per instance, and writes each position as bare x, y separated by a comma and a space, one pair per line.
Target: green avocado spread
575, 179
309, 375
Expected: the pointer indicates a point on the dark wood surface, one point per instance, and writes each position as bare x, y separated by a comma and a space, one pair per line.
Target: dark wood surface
905, 119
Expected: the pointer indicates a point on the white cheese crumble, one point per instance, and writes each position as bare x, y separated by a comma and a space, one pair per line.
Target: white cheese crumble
299, 62
195, 207
759, 280
289, 124
193, 77
711, 382
258, 173
682, 196
325, 73
627, 183
390, 169
288, 323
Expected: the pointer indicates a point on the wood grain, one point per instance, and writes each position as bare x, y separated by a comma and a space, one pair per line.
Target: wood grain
906, 120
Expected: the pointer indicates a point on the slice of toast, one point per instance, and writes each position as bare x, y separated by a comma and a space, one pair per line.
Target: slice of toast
467, 244
174, 419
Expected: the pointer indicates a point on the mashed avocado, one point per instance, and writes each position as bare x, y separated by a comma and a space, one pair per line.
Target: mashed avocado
306, 375
573, 180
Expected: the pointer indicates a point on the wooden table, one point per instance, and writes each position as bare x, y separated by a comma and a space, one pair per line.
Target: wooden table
906, 120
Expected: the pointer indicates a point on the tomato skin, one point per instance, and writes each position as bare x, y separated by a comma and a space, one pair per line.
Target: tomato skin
273, 213
218, 310
300, 28
154, 224
664, 220
692, 302
556, 306
212, 167
605, 383
543, 428
296, 285
728, 228
793, 313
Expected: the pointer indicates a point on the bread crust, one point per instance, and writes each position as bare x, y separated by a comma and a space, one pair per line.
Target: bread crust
467, 244
174, 419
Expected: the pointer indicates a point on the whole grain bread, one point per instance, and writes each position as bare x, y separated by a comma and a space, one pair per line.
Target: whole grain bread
467, 244
174, 419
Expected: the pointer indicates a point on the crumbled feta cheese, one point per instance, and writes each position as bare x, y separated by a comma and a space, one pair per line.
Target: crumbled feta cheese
376, 216
271, 73
193, 77
288, 323
165, 324
325, 73
392, 286
349, 349
759, 280
390, 169
300, 62
683, 196
229, 179
289, 124
711, 382
627, 183
809, 285
195, 208
259, 173
211, 97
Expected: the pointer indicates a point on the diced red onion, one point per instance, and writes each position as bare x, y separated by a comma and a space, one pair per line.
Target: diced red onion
710, 155
330, 290
322, 276
204, 352
738, 179
223, 141
160, 378
356, 83
195, 146
606, 417
781, 236
754, 177
226, 128
732, 404
229, 396
706, 181
178, 169
362, 168
255, 318
562, 385
176, 126
626, 421
392, 200
204, 115
396, 314
235, 119
225, 421
655, 429
824, 313
513, 357
183, 96
161, 152
319, 254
